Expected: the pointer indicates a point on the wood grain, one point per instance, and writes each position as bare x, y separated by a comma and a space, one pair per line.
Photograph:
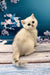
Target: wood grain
33, 58
5, 48
41, 55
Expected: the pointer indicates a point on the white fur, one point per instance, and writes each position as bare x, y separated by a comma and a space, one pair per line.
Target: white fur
25, 39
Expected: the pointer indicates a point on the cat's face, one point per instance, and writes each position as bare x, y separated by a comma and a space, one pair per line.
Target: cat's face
30, 22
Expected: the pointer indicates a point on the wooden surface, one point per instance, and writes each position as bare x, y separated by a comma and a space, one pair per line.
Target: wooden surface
29, 69
39, 61
41, 55
33, 58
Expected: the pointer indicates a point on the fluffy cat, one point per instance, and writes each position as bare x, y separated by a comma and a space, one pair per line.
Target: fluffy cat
25, 40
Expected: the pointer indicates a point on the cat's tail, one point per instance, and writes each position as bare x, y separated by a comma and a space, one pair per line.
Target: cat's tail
17, 62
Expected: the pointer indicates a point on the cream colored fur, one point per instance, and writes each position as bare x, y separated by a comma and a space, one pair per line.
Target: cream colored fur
25, 40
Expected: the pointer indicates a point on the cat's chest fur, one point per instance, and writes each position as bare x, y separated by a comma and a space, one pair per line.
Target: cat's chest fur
33, 34
26, 34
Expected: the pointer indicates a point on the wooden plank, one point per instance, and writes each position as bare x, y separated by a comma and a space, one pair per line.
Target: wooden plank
37, 57
33, 58
29, 69
5, 48
5, 57
41, 48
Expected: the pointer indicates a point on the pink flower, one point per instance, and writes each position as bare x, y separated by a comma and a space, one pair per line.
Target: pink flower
18, 24
2, 23
4, 32
49, 33
12, 0
15, 1
4, 15
9, 15
5, 20
46, 33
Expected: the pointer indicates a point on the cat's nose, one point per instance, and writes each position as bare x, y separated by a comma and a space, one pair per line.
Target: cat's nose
32, 25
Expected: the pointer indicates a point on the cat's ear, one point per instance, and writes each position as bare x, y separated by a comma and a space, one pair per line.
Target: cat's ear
22, 21
32, 15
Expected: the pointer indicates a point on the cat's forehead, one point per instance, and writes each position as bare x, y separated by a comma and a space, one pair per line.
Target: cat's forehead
29, 19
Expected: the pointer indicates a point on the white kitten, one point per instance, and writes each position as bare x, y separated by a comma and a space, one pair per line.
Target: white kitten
25, 39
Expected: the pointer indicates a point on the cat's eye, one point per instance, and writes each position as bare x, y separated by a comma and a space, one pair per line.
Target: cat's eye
29, 24
33, 22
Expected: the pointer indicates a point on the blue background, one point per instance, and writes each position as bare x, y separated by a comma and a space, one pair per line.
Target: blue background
24, 8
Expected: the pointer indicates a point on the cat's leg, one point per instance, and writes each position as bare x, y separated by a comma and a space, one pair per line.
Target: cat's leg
16, 53
16, 56
30, 52
16, 60
36, 44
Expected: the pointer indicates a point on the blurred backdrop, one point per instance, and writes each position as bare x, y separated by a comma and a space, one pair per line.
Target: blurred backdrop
24, 8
